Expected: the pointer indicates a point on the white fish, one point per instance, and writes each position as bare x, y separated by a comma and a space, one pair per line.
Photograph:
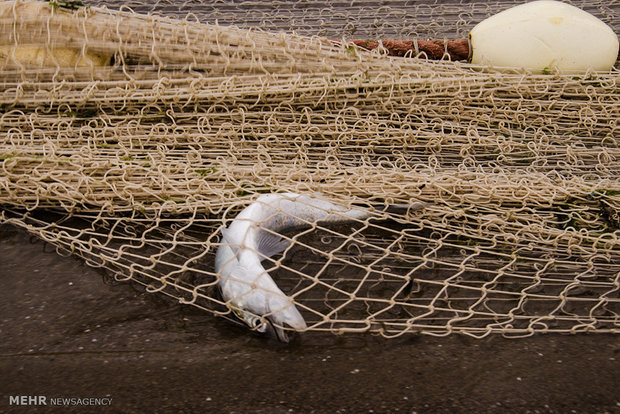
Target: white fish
245, 284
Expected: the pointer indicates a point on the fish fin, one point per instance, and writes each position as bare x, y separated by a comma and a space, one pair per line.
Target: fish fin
269, 244
237, 272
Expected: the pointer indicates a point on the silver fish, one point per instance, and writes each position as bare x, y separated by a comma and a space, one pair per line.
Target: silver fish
245, 284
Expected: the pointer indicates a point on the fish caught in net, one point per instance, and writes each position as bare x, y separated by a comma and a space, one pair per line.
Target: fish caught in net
134, 140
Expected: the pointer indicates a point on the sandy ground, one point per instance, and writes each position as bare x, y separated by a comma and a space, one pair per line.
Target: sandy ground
67, 333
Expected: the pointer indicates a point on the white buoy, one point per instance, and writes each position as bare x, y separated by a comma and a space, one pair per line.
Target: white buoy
543, 36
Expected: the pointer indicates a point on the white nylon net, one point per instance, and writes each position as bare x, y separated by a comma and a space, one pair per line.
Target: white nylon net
136, 165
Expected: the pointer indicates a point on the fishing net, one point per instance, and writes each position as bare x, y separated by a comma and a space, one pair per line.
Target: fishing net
139, 133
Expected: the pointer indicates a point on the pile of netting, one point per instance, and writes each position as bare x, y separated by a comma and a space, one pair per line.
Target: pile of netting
164, 129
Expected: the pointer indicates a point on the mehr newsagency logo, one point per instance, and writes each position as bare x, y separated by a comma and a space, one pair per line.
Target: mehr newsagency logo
29, 400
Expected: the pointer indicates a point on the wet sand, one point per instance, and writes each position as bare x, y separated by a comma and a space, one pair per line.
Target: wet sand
68, 332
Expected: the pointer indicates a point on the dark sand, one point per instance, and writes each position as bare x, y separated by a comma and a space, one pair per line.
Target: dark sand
67, 333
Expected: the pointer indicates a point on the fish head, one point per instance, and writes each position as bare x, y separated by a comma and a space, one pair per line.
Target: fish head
281, 315
251, 293
284, 314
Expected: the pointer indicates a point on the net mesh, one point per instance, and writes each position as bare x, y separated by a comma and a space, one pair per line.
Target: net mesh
135, 165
